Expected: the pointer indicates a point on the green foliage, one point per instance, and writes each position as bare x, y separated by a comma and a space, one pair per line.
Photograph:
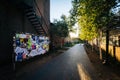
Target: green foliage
69, 44
60, 28
92, 15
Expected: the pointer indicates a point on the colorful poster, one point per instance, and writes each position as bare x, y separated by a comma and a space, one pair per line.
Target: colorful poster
29, 45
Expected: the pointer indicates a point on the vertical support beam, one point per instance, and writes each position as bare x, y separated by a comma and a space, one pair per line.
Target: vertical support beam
107, 46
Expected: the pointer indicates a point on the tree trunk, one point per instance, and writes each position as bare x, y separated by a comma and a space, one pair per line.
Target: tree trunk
100, 51
107, 45
92, 46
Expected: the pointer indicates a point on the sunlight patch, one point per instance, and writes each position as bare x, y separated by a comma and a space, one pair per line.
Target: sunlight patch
83, 73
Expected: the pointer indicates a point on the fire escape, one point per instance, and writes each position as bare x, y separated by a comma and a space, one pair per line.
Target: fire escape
35, 20
29, 7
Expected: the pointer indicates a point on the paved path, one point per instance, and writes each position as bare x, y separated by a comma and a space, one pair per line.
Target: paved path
73, 64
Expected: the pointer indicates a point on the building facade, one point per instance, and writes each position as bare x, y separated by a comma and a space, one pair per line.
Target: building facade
26, 16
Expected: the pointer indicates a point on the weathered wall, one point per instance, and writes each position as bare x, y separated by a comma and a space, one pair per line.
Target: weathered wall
44, 11
12, 19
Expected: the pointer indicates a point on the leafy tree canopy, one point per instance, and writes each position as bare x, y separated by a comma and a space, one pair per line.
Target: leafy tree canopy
60, 27
91, 15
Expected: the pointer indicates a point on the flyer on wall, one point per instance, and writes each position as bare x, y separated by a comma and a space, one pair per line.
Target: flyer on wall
29, 45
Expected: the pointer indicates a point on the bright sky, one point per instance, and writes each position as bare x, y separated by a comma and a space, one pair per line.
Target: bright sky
59, 7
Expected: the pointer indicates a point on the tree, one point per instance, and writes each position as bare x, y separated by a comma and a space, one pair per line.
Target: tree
92, 16
60, 28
